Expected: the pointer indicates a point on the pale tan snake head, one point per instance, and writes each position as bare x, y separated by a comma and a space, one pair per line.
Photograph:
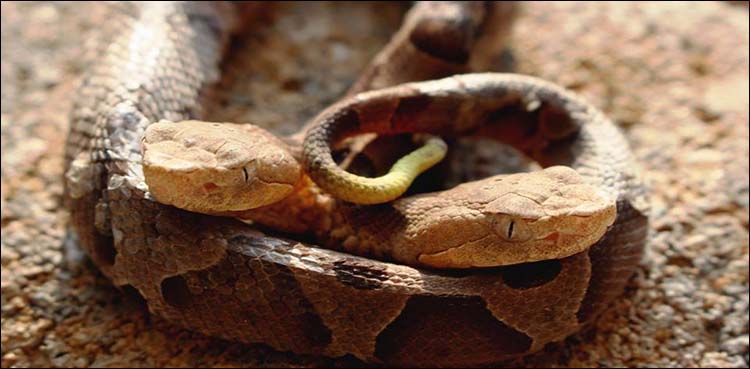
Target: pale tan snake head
506, 219
217, 167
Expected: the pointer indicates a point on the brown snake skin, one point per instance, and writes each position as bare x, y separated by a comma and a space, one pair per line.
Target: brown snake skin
223, 278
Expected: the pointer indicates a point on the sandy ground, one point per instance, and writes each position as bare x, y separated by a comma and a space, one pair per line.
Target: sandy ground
673, 76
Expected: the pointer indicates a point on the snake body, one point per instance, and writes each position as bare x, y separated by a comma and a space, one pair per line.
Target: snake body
223, 278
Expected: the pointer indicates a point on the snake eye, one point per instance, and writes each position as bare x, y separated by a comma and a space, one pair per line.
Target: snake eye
511, 229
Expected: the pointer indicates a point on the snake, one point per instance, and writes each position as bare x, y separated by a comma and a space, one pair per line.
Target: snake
224, 278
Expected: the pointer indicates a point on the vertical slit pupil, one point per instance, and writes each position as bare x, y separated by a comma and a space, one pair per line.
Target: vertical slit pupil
244, 170
510, 229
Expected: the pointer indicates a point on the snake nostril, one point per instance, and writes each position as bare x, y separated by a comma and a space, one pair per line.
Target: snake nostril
530, 275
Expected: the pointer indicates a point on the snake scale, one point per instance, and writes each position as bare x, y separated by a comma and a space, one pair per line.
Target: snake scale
223, 278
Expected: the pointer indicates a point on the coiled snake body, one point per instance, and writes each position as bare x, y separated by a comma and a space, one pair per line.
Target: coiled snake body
223, 278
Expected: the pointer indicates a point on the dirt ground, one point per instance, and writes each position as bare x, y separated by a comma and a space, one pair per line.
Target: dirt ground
673, 76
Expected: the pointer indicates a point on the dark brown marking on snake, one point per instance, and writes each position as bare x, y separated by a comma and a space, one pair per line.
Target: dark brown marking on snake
133, 295
316, 334
275, 292
528, 275
445, 39
555, 122
408, 108
459, 328
425, 113
359, 276
489, 8
348, 121
512, 124
100, 246
175, 292
104, 250
556, 152
613, 260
